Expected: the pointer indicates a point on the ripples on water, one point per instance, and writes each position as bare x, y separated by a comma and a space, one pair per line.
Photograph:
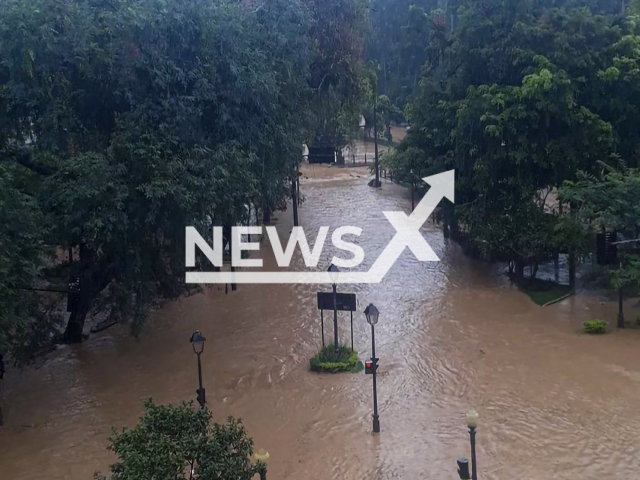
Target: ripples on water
452, 335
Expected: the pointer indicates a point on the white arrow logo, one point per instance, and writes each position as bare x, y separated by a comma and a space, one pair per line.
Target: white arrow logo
407, 235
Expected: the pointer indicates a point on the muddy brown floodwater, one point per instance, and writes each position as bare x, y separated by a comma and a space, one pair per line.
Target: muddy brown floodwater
452, 335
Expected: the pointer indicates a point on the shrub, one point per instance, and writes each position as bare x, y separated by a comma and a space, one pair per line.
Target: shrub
595, 327
328, 361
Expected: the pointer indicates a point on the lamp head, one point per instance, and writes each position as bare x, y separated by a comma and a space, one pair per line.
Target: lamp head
472, 418
372, 313
197, 342
334, 272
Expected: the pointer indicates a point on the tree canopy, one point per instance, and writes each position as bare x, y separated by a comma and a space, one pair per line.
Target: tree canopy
178, 442
122, 122
519, 97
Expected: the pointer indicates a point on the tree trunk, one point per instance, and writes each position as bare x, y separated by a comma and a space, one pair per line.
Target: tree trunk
94, 278
266, 216
534, 271
75, 325
572, 271
455, 228
83, 297
519, 270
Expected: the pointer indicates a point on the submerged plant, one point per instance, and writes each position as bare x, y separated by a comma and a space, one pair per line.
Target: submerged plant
595, 327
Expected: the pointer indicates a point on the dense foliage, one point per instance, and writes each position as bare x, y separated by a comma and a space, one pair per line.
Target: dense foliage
609, 202
179, 443
400, 31
122, 122
338, 76
518, 97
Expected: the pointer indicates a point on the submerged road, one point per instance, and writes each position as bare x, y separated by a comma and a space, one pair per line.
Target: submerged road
452, 335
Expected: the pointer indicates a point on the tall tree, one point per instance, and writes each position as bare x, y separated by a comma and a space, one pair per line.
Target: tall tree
518, 97
337, 69
136, 118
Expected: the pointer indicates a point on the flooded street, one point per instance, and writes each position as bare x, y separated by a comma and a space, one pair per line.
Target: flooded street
452, 335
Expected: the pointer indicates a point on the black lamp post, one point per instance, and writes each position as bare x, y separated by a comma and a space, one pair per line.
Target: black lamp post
372, 313
375, 137
197, 342
621, 306
413, 202
463, 463
334, 272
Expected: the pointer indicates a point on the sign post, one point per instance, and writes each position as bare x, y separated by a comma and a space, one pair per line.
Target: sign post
345, 302
351, 312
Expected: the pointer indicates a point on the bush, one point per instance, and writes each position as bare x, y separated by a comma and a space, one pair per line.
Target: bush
595, 327
328, 361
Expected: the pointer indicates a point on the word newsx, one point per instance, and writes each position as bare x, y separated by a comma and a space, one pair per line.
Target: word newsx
407, 235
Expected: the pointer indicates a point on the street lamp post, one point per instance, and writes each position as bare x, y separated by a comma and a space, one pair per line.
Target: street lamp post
375, 137
621, 305
334, 272
413, 202
372, 313
463, 463
472, 423
197, 342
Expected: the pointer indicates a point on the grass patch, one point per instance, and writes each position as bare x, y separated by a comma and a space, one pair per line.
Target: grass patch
328, 361
544, 291
595, 327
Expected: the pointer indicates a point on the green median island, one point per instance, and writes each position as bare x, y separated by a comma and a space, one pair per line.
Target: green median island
329, 361
595, 327
545, 292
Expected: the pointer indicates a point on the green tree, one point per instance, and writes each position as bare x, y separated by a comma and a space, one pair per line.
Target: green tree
609, 202
387, 113
337, 69
180, 443
25, 324
400, 33
139, 118
518, 97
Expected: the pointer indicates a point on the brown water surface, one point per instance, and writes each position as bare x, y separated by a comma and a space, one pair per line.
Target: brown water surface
452, 335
